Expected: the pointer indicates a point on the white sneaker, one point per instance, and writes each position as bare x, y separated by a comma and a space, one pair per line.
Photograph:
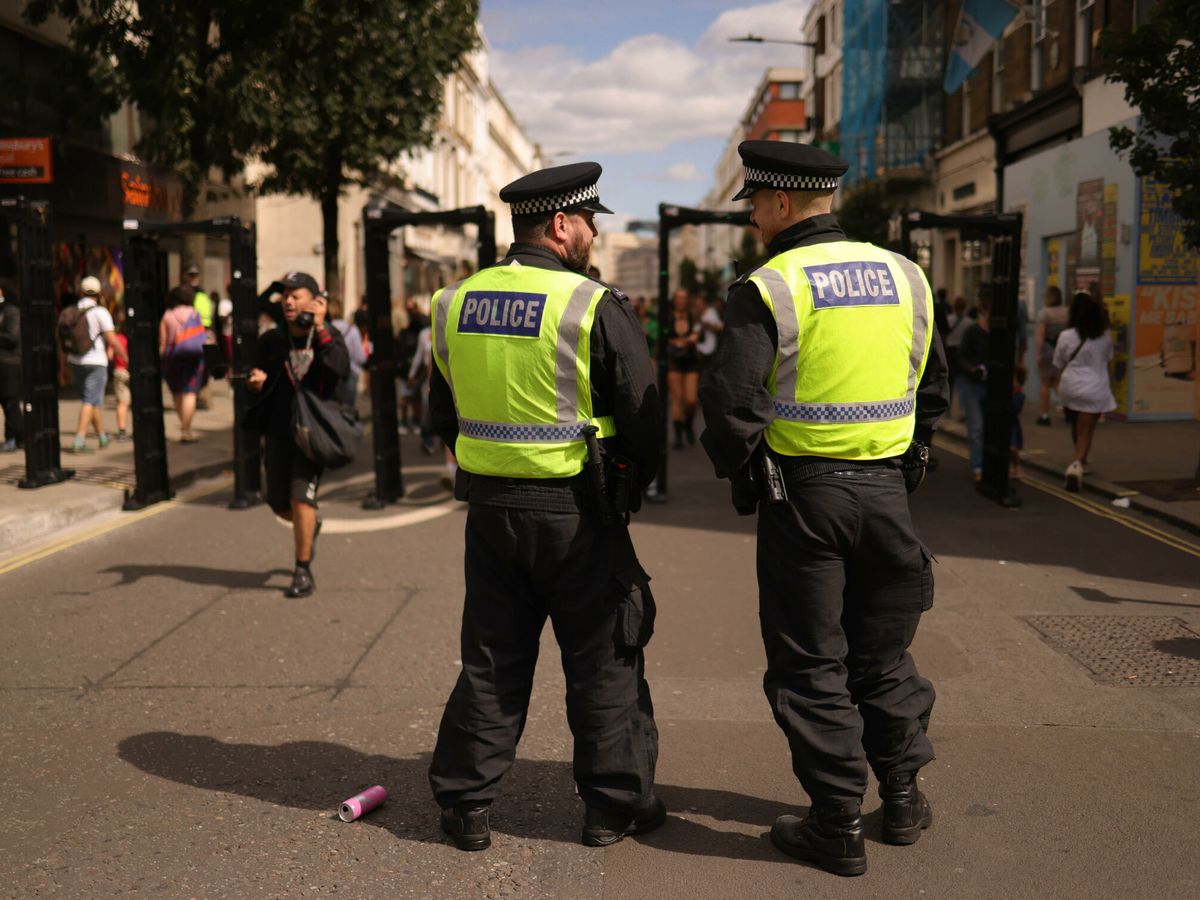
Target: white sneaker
1075, 477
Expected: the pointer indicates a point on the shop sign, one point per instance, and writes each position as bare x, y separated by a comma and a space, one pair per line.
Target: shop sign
1165, 337
147, 195
25, 161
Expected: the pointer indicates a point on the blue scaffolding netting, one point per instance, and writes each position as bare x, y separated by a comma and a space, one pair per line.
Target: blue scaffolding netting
864, 69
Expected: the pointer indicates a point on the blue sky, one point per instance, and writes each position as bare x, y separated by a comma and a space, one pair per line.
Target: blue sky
652, 91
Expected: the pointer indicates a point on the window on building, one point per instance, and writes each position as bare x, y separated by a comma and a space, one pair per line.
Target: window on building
793, 136
820, 37
1085, 23
789, 90
1037, 34
966, 108
835, 30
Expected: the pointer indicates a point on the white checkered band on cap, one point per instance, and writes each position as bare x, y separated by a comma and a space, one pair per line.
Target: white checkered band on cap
787, 182
554, 202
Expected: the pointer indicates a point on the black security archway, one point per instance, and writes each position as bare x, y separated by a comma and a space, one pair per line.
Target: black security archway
1004, 229
25, 262
145, 293
378, 224
671, 217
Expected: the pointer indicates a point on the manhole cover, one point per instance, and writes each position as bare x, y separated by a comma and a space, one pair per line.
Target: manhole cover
1127, 650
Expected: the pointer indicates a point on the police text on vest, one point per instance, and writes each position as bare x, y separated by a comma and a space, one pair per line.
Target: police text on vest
511, 313
856, 283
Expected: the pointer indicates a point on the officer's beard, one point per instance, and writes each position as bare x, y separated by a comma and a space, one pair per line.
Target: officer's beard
579, 253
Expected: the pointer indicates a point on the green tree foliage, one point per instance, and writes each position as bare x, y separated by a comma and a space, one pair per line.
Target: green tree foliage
188, 65
864, 213
353, 85
689, 275
1159, 65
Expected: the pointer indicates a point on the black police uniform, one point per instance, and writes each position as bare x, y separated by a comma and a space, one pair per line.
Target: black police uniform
843, 578
536, 549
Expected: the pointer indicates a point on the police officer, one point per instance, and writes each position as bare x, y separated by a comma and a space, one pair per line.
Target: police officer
829, 364
536, 366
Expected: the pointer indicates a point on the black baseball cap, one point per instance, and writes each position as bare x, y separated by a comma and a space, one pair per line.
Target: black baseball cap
293, 280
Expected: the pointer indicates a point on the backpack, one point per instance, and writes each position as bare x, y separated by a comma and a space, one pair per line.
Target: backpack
74, 332
189, 338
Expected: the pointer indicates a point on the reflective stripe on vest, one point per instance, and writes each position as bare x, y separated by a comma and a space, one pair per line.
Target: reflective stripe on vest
845, 277
490, 337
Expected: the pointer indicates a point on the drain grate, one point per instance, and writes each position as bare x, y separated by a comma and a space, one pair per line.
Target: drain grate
1126, 650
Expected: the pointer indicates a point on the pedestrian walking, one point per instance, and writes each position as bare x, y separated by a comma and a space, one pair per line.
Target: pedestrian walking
1051, 322
683, 368
10, 374
347, 389
537, 366
407, 345
712, 324
120, 375
87, 333
181, 337
829, 367
301, 352
205, 308
1081, 358
971, 384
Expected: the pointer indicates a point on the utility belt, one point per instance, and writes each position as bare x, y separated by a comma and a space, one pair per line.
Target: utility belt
609, 494
768, 476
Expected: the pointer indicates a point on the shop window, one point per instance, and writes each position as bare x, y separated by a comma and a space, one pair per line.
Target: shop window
1085, 23
976, 261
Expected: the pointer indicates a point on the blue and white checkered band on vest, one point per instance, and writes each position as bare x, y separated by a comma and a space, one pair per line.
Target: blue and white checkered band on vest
786, 182
555, 202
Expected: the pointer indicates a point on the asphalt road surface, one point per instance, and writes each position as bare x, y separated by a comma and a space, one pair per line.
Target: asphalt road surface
171, 726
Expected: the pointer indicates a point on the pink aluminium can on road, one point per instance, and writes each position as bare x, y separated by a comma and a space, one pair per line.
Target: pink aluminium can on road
361, 804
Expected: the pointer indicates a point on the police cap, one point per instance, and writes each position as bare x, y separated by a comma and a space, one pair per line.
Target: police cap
785, 166
571, 187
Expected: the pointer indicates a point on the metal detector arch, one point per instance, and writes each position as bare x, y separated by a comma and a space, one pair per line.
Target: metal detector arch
145, 287
671, 217
378, 223
1005, 231
25, 232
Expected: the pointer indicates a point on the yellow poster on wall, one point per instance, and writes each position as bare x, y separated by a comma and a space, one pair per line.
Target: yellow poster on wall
1163, 258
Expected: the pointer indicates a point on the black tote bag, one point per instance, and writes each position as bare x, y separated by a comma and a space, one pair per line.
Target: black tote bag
322, 429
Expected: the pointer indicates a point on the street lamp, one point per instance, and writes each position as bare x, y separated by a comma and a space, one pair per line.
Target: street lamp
756, 39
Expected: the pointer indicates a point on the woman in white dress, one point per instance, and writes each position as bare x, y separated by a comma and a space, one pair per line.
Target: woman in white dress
1081, 357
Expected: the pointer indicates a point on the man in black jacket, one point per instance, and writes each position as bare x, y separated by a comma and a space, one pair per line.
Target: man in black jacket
818, 348
307, 352
538, 544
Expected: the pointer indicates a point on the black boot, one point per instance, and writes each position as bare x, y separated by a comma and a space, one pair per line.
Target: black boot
302, 583
601, 827
678, 445
830, 837
906, 810
468, 825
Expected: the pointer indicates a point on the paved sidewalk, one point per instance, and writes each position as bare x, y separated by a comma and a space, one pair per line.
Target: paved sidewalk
103, 476
1153, 464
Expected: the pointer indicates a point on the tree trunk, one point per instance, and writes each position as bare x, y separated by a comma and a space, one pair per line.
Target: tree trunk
329, 242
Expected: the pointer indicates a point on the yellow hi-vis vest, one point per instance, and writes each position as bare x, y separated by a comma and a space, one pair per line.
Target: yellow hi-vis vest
513, 343
854, 335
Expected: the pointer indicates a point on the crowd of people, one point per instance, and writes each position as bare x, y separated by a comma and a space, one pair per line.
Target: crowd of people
1072, 350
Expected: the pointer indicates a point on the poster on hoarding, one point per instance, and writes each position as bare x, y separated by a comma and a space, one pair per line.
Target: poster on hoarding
1118, 368
1089, 230
1108, 244
1162, 256
1164, 353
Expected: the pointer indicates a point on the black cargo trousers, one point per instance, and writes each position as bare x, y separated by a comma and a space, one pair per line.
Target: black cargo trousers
523, 566
843, 581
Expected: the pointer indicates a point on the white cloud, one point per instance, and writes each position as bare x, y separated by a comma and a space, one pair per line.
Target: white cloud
650, 90
683, 171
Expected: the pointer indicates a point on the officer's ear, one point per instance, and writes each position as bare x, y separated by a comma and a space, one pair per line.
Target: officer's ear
558, 228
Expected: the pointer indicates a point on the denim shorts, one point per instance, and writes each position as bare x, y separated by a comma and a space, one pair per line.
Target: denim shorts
91, 381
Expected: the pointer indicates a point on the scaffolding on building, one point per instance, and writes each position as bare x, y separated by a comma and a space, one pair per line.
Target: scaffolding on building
893, 59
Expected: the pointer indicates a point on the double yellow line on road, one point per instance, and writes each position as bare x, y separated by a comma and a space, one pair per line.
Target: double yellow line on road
57, 546
1097, 509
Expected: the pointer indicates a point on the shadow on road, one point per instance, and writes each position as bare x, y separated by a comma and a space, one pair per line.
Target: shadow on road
539, 799
234, 579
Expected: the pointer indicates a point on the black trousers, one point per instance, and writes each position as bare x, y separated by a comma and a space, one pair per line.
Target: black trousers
523, 566
843, 580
